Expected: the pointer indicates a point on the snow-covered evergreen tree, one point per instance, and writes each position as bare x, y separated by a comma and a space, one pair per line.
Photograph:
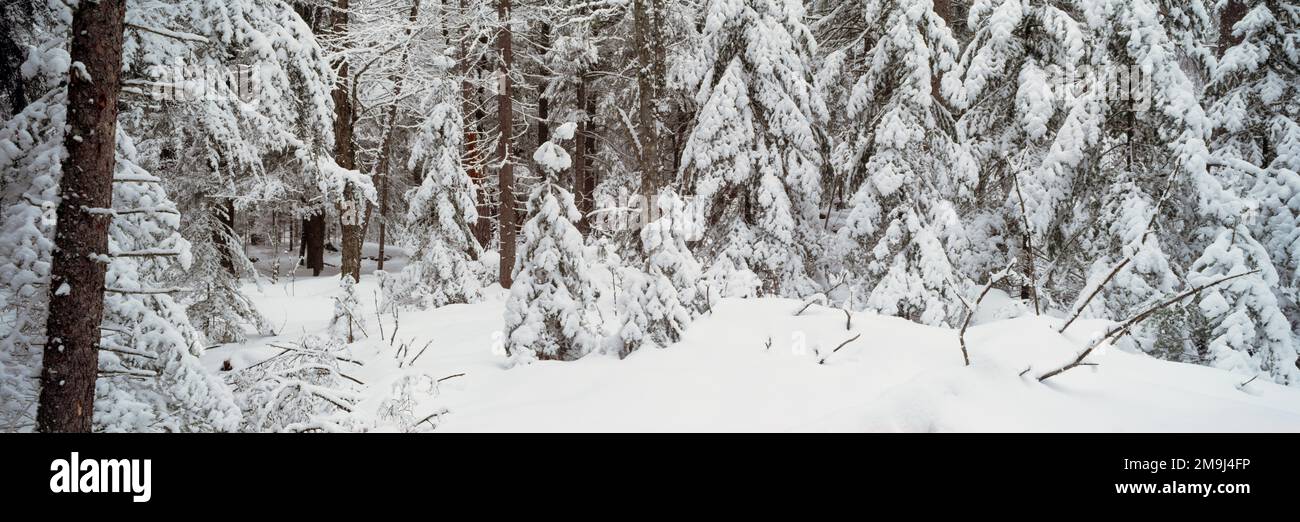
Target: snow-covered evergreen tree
442, 209
31, 152
661, 300
1254, 101
238, 111
548, 314
347, 325
1143, 147
753, 156
1003, 87
214, 302
151, 378
910, 177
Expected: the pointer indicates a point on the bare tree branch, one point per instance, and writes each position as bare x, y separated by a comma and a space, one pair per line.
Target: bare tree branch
1117, 331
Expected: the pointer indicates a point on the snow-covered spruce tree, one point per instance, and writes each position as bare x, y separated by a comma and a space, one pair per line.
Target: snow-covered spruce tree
753, 156
1254, 101
895, 151
31, 152
441, 210
548, 314
238, 108
661, 300
347, 324
150, 375
1009, 116
214, 301
1142, 151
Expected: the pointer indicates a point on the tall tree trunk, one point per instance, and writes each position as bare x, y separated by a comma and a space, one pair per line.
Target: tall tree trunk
648, 37
350, 219
76, 307
543, 104
313, 241
580, 171
506, 177
224, 212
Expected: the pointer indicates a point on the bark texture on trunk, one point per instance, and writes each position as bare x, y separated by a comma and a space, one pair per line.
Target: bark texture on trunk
76, 307
350, 219
506, 177
13, 95
648, 38
581, 198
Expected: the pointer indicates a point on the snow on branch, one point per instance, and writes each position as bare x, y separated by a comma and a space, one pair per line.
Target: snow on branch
188, 37
1119, 330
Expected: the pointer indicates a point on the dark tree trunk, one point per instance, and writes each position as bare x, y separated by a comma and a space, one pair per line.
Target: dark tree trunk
1232, 13
224, 211
313, 241
543, 104
506, 177
351, 222
13, 96
76, 307
580, 172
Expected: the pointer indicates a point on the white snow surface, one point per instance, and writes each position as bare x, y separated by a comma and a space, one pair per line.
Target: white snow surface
723, 376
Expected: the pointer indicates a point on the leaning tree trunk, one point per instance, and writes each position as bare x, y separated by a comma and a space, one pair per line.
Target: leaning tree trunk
350, 219
76, 307
506, 177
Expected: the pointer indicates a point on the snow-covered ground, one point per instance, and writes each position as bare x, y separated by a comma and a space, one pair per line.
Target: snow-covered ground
752, 365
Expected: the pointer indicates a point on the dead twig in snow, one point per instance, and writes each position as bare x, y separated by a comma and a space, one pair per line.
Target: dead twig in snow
814, 300
837, 348
379, 317
452, 376
970, 312
420, 353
